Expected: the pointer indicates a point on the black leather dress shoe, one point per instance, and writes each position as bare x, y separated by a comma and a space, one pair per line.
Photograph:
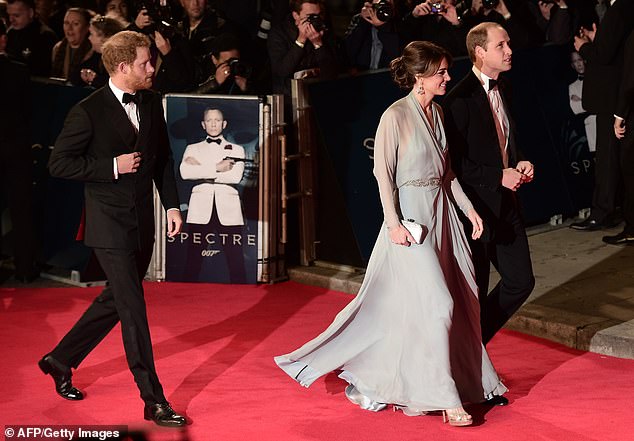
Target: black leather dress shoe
497, 400
587, 225
62, 378
163, 415
622, 238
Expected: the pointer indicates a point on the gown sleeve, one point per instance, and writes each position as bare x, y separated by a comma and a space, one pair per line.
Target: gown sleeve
459, 196
385, 162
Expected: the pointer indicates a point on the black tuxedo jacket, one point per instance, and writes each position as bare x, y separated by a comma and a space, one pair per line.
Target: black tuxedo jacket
119, 213
473, 144
625, 102
604, 58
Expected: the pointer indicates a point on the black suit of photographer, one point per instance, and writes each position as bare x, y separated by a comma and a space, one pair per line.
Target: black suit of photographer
434, 28
200, 40
358, 41
288, 58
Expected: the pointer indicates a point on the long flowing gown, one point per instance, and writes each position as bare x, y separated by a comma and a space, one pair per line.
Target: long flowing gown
411, 336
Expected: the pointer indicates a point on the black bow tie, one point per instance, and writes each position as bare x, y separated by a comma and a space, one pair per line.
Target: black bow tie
129, 98
209, 139
580, 77
492, 84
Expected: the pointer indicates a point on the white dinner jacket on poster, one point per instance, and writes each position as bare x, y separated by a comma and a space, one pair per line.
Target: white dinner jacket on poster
216, 191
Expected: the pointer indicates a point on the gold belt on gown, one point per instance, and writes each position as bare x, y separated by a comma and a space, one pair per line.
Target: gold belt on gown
431, 182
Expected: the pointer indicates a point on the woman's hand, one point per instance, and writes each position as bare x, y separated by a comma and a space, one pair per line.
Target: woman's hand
399, 235
476, 222
87, 76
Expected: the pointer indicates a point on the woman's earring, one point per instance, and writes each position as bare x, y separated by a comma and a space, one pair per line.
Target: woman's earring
419, 90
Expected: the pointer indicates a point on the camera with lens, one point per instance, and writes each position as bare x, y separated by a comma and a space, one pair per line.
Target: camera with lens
437, 8
162, 21
490, 4
238, 68
383, 10
316, 21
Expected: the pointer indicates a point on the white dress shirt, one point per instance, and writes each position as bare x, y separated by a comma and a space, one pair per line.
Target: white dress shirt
497, 107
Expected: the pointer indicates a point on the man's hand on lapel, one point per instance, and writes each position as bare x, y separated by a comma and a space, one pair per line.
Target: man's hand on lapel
128, 163
174, 222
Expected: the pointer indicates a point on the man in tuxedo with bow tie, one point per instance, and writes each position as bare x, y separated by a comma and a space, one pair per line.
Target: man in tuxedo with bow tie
116, 142
215, 164
490, 167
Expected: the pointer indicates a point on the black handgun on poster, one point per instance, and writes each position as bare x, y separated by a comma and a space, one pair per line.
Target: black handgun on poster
233, 158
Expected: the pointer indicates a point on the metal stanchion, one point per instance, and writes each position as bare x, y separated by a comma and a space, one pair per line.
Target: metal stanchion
305, 146
274, 187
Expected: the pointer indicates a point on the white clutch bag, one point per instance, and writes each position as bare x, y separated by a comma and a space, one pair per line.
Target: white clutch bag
416, 230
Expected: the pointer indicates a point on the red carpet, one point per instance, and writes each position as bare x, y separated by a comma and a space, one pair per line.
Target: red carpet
214, 346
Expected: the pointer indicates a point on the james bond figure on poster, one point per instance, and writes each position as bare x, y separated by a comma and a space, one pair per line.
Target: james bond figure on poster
216, 163
215, 145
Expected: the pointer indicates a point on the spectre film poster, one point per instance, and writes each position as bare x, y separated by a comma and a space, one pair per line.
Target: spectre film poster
215, 146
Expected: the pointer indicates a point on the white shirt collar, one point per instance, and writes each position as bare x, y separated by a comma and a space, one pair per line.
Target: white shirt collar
118, 93
484, 79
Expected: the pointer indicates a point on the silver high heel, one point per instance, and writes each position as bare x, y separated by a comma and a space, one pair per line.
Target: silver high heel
456, 417
407, 411
362, 401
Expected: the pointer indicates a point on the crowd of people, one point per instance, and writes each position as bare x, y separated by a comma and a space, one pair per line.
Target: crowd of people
272, 41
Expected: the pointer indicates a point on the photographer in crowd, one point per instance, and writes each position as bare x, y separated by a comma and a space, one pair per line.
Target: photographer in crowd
513, 15
437, 21
302, 42
372, 40
230, 73
172, 57
554, 18
119, 9
201, 25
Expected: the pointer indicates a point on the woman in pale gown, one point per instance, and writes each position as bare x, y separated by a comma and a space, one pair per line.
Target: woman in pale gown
411, 337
